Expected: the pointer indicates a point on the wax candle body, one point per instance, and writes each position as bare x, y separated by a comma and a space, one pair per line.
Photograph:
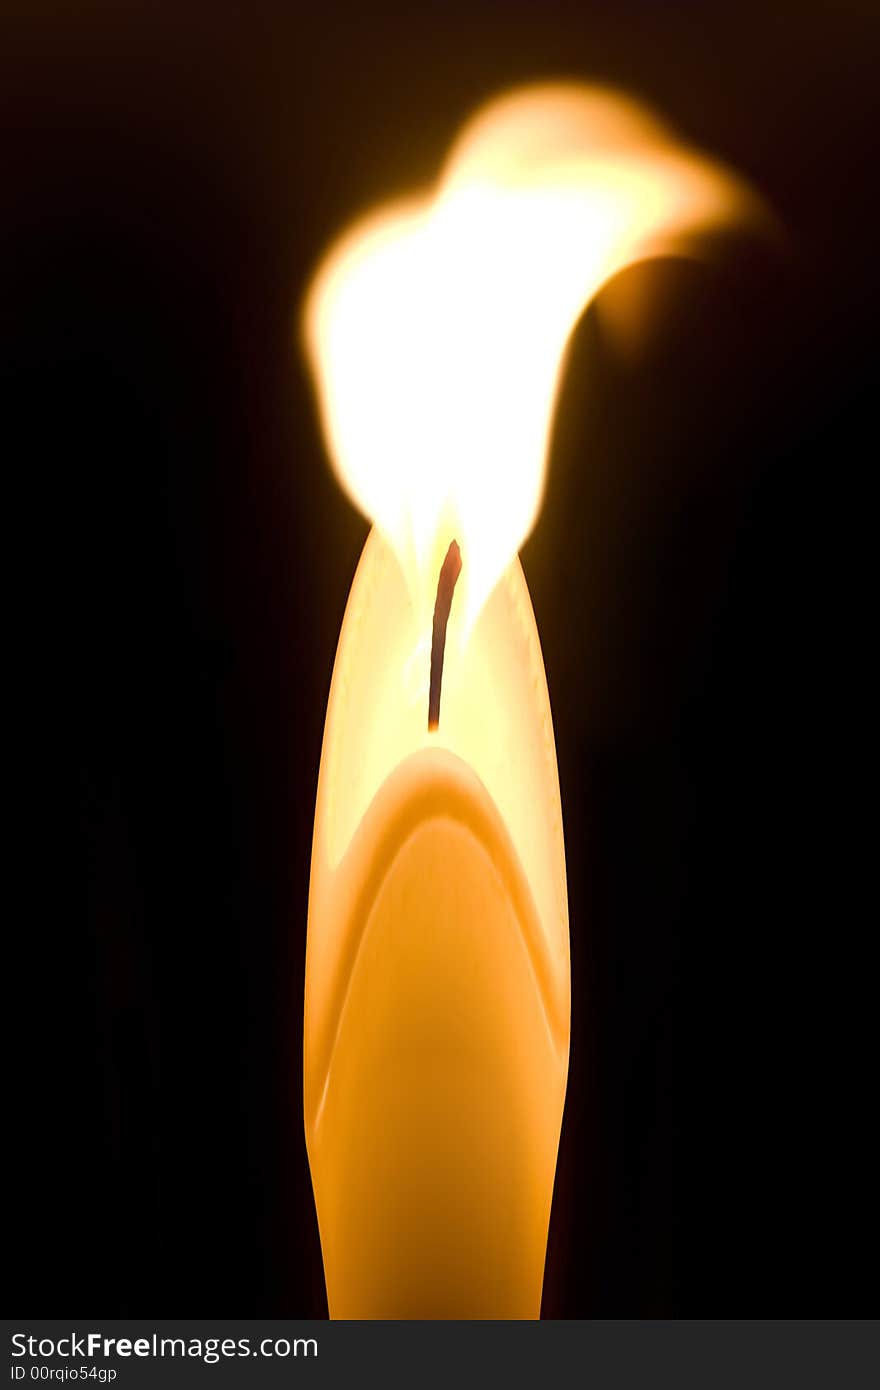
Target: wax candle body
437, 972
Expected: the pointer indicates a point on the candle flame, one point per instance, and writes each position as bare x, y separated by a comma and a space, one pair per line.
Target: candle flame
436, 328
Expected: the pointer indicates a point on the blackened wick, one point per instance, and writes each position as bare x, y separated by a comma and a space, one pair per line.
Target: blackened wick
449, 572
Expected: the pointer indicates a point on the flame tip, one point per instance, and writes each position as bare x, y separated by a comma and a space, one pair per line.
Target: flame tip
436, 326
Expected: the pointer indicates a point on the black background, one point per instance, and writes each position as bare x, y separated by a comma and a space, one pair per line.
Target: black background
169, 176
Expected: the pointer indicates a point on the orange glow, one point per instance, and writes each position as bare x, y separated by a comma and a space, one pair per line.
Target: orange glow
437, 999
437, 328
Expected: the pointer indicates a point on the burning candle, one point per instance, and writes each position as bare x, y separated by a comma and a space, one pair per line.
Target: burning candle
437, 968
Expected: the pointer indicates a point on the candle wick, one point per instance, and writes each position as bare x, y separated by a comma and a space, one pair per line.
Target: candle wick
449, 572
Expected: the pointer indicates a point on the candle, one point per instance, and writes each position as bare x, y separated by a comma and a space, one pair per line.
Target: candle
437, 1007
437, 969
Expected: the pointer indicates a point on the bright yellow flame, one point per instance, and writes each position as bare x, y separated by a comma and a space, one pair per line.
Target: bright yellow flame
437, 328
